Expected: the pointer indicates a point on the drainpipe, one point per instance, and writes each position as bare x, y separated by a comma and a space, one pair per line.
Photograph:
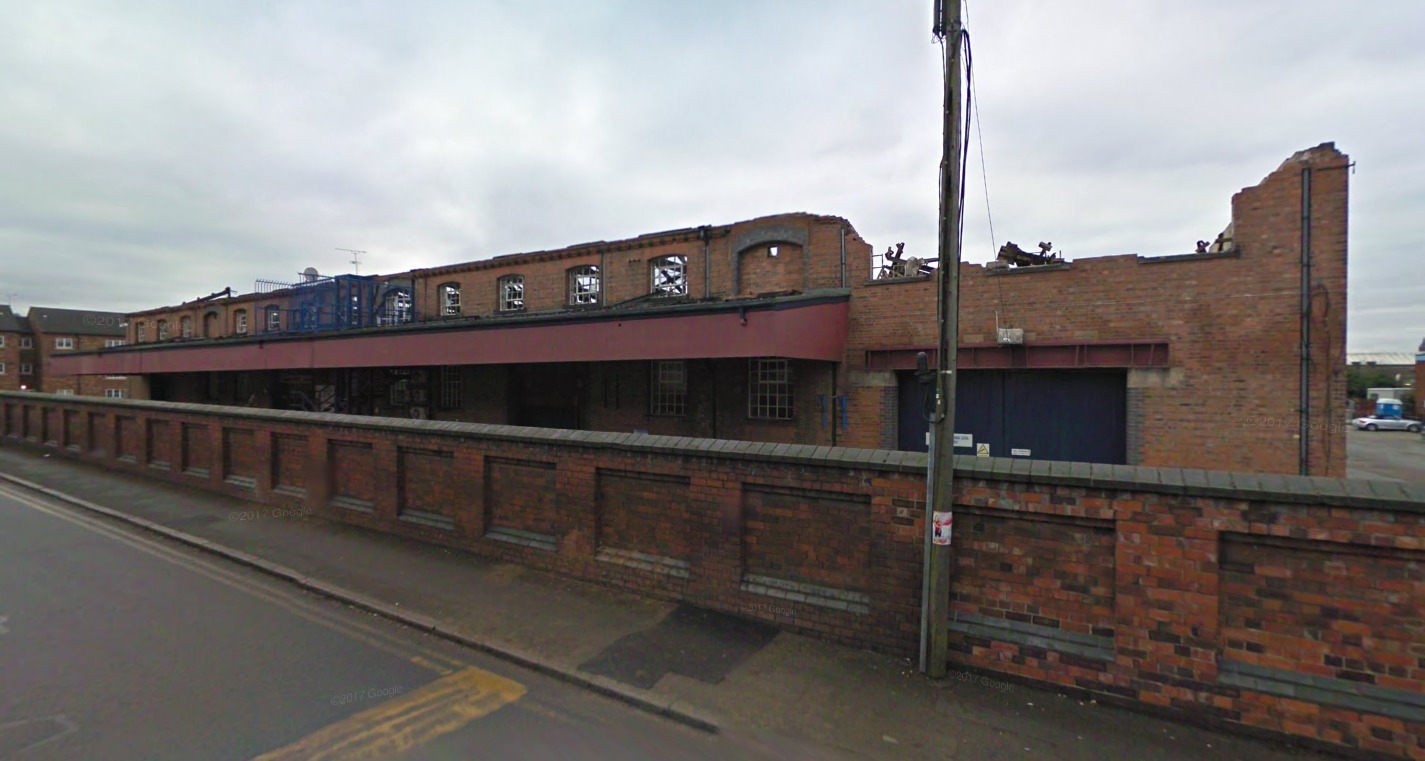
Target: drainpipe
843, 256
705, 233
1305, 391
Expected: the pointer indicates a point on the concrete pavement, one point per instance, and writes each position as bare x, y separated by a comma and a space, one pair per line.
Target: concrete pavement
759, 686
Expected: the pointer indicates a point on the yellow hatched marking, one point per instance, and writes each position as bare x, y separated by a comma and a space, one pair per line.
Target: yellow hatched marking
407, 722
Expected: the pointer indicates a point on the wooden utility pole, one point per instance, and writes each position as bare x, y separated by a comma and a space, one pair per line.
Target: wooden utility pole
935, 609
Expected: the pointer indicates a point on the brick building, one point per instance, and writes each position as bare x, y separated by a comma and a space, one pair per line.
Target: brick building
790, 329
27, 344
18, 357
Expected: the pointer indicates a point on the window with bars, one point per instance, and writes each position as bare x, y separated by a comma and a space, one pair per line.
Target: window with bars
512, 293
670, 276
584, 285
400, 392
450, 397
769, 389
670, 387
450, 300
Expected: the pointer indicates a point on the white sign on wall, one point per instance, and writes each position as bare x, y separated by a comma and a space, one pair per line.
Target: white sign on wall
964, 439
982, 450
1019, 452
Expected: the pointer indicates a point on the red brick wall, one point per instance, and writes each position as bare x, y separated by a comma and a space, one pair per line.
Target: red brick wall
1231, 325
1199, 600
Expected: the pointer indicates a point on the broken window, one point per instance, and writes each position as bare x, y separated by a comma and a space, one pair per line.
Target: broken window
274, 319
163, 330
450, 300
769, 390
670, 387
396, 308
185, 327
239, 322
512, 293
584, 285
450, 387
670, 276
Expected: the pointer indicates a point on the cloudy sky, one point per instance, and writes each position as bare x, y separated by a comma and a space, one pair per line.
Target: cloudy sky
154, 152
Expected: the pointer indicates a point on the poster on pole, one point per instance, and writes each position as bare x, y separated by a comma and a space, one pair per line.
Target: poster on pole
943, 524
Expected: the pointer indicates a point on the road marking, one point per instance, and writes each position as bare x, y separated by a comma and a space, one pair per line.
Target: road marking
396, 726
155, 547
17, 728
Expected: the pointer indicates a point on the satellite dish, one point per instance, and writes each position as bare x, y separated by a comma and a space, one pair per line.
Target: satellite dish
310, 275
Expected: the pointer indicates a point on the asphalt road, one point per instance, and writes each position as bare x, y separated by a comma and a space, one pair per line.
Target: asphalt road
1394, 455
117, 646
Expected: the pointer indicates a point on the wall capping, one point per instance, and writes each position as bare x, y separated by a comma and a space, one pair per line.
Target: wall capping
1262, 487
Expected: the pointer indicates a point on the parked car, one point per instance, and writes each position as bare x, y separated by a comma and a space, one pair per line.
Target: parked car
1386, 423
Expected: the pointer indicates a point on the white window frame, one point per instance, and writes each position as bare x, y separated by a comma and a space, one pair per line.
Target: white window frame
240, 322
64, 392
450, 300
26, 342
185, 327
2, 368
397, 308
585, 285
141, 332
769, 389
511, 293
27, 368
2, 342
62, 343
116, 377
110, 343
272, 318
668, 388
163, 330
668, 276
116, 393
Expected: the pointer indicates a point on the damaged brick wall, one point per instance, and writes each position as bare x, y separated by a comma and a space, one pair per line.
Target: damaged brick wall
1231, 322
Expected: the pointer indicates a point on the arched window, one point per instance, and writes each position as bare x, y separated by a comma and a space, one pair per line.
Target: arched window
669, 276
163, 330
273, 318
450, 300
240, 322
584, 285
210, 325
185, 327
511, 293
140, 332
396, 308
